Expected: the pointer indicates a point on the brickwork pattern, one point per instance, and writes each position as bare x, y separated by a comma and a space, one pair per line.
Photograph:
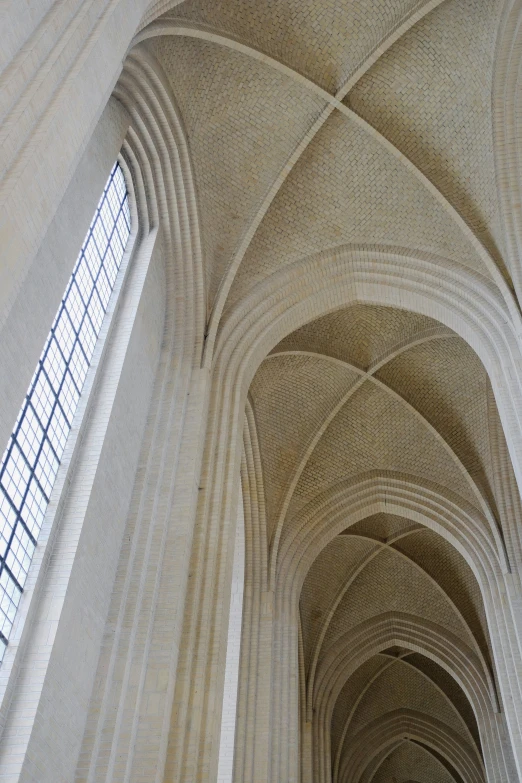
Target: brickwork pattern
347, 189
382, 563
400, 686
392, 97
291, 382
323, 306
326, 42
447, 384
454, 575
361, 335
233, 104
415, 763
350, 695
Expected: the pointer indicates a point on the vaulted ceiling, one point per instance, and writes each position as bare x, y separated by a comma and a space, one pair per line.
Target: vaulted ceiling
368, 392
318, 125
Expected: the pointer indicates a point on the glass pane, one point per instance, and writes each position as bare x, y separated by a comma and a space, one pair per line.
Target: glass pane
31, 459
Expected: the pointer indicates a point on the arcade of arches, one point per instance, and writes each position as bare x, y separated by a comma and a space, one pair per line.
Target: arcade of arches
285, 540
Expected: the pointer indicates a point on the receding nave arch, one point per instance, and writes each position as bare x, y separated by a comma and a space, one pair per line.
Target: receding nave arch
384, 556
288, 165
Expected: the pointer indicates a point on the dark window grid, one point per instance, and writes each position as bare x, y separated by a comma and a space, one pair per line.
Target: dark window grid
96, 310
58, 432
57, 403
60, 357
42, 401
9, 587
9, 613
43, 369
24, 503
31, 474
6, 626
31, 513
9, 601
104, 285
100, 238
120, 185
96, 313
121, 228
69, 367
100, 258
46, 467
8, 609
4, 566
18, 559
7, 527
19, 556
9, 604
116, 198
7, 519
46, 378
118, 239
52, 403
30, 433
58, 399
75, 343
102, 225
75, 306
65, 333
112, 204
30, 516
53, 363
116, 221
13, 472
102, 278
96, 234
10, 591
106, 216
118, 214
111, 270
80, 269
109, 222
84, 282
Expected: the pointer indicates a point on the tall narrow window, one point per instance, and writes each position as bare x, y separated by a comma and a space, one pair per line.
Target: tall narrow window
31, 459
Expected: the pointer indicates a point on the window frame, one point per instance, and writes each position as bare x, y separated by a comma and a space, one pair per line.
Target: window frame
52, 518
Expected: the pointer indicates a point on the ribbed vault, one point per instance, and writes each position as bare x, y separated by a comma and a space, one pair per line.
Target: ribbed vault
344, 123
325, 290
346, 135
395, 642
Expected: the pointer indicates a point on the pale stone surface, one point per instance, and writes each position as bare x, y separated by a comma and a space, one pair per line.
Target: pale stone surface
320, 303
31, 317
229, 713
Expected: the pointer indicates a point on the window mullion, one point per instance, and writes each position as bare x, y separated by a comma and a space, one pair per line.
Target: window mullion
47, 401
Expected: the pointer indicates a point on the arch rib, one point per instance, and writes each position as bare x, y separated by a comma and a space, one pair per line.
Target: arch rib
379, 549
369, 375
386, 665
410, 724
168, 27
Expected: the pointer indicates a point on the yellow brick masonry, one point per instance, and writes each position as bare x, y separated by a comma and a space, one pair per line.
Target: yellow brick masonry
319, 321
